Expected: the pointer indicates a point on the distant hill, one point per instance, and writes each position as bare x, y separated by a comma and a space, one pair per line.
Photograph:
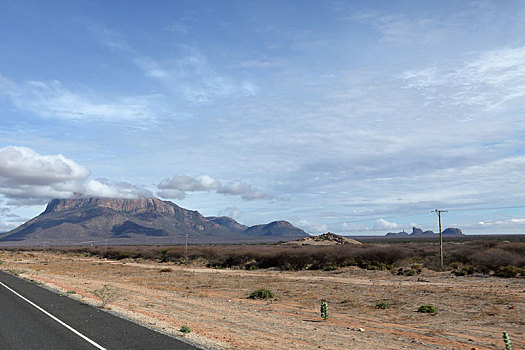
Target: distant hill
228, 222
328, 238
282, 229
137, 221
417, 232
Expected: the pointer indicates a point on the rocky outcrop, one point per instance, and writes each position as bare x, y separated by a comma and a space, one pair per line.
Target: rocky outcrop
140, 205
452, 231
417, 232
328, 238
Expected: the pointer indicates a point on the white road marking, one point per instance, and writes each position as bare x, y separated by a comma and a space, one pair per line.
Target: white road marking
56, 319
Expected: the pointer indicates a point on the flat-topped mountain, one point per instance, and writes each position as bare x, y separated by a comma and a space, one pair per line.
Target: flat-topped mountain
417, 232
137, 221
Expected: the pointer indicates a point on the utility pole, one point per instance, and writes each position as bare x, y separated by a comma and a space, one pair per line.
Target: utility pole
438, 212
186, 248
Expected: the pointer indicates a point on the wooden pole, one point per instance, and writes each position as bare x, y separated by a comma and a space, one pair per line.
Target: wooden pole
438, 212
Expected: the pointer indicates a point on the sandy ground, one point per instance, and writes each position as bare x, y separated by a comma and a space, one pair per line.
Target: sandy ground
473, 311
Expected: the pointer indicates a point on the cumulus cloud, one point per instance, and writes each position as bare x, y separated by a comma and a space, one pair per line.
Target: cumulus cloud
177, 186
7, 226
382, 224
111, 189
309, 226
246, 191
28, 178
23, 166
232, 212
172, 194
189, 183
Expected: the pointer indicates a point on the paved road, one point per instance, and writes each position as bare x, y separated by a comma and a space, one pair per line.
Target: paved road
24, 326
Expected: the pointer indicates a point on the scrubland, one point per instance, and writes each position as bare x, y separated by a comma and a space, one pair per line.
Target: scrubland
373, 292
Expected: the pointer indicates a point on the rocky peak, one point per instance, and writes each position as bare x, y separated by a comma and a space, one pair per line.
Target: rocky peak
453, 231
122, 205
280, 223
416, 231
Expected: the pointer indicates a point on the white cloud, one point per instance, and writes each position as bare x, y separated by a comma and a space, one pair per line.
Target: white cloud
176, 187
23, 166
109, 189
491, 80
192, 76
232, 212
27, 178
53, 100
246, 191
7, 226
401, 30
171, 194
312, 227
382, 224
189, 183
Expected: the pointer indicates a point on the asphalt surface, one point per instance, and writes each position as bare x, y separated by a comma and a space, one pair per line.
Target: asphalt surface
23, 326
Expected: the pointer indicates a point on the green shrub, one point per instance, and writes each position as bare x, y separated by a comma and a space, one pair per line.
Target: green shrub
508, 271
379, 266
411, 272
331, 268
261, 294
459, 272
185, 329
253, 268
429, 309
382, 305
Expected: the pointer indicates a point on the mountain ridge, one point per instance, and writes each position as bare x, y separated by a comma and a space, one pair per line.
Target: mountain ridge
417, 232
95, 220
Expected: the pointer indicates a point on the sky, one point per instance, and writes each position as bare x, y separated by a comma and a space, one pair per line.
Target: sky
355, 117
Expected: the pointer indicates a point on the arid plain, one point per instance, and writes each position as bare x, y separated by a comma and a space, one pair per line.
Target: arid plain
472, 311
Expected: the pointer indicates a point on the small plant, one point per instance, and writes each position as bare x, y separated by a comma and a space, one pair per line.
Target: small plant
261, 294
459, 272
166, 269
331, 268
506, 340
71, 292
253, 268
324, 310
411, 272
429, 309
508, 271
185, 329
382, 305
106, 295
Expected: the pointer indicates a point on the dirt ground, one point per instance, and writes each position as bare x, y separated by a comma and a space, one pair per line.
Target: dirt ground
473, 311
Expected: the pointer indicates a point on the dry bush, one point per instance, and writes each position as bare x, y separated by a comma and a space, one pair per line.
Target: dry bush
493, 258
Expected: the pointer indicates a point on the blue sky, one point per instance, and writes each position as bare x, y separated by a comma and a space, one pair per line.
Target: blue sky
355, 117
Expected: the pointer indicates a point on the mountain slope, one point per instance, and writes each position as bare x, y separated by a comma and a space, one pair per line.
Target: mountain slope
134, 221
